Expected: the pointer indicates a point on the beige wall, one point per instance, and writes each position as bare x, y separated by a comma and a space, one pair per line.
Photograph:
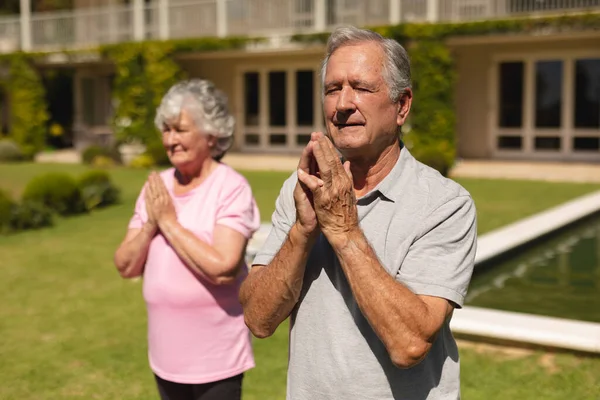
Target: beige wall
471, 100
474, 60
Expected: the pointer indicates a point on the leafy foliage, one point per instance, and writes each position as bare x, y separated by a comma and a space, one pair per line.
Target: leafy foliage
28, 106
57, 191
10, 151
97, 189
145, 71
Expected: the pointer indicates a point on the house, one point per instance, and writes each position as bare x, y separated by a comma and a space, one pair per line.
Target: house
522, 95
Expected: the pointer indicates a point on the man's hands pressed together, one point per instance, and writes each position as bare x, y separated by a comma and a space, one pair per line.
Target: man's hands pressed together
332, 191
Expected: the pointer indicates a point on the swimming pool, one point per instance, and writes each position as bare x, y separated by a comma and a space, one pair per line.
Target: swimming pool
557, 277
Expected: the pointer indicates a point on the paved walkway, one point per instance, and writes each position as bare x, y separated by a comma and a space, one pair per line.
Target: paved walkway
527, 170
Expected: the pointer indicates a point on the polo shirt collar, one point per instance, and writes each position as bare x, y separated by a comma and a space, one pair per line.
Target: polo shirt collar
390, 186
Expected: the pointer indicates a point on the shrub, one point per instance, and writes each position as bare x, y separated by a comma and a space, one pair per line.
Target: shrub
435, 157
29, 109
103, 162
10, 151
90, 153
6, 207
30, 215
57, 191
97, 189
142, 161
156, 150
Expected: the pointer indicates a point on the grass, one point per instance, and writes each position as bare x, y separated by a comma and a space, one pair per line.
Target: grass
72, 329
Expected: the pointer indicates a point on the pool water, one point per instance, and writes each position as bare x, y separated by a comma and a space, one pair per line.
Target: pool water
558, 277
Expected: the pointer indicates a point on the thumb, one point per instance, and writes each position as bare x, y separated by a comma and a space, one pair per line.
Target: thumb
347, 169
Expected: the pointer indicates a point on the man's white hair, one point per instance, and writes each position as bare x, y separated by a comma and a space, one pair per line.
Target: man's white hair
396, 65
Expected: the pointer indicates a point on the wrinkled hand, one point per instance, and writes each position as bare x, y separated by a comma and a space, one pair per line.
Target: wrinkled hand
306, 218
159, 204
333, 192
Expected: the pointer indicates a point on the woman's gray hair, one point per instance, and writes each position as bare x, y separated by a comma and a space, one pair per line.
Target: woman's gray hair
396, 71
208, 107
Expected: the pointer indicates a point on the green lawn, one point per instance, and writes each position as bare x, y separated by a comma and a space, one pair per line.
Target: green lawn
72, 329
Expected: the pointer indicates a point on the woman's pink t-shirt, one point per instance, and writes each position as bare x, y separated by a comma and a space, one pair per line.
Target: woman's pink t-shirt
196, 330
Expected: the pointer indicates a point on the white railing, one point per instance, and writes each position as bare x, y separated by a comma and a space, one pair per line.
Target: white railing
162, 19
80, 28
194, 18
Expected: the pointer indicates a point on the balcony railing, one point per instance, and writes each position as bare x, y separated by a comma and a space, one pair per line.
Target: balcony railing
164, 19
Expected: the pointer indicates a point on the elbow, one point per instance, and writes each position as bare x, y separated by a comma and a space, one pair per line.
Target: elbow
409, 356
260, 330
227, 276
126, 271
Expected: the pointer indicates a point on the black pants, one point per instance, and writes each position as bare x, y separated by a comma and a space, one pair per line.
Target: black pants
226, 389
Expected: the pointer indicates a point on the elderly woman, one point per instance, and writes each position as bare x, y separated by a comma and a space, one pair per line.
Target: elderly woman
187, 238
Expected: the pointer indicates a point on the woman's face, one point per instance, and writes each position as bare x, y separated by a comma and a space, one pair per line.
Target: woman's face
185, 144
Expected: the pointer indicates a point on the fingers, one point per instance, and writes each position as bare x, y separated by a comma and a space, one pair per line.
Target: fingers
160, 185
347, 169
306, 157
315, 136
150, 187
310, 181
327, 157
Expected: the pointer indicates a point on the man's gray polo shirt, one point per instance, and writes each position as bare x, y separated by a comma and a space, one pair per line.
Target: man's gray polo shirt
422, 227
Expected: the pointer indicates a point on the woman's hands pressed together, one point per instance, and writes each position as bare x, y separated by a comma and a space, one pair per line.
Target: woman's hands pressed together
159, 203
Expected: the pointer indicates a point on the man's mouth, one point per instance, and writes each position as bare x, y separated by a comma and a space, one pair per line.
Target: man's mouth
347, 125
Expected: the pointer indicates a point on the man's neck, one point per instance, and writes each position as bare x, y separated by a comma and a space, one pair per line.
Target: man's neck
367, 173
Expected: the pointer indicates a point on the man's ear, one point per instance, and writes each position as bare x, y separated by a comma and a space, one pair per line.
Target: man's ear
404, 104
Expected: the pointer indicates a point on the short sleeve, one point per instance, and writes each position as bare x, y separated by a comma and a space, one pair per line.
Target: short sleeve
440, 261
140, 215
238, 211
282, 220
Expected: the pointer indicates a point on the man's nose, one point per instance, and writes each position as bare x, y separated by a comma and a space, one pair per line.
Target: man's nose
345, 103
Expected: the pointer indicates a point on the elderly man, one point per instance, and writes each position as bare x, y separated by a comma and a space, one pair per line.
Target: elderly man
369, 254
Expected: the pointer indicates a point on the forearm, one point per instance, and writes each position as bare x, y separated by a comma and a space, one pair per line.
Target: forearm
130, 257
197, 254
270, 293
398, 316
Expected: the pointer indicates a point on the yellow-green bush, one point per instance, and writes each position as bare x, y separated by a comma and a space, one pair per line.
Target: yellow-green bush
6, 207
27, 215
103, 162
30, 215
91, 152
10, 151
143, 161
29, 110
57, 191
97, 189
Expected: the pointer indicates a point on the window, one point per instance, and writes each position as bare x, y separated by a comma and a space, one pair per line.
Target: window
279, 107
586, 143
587, 93
278, 139
251, 99
548, 105
97, 107
510, 142
277, 98
547, 143
305, 98
252, 139
548, 93
511, 94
